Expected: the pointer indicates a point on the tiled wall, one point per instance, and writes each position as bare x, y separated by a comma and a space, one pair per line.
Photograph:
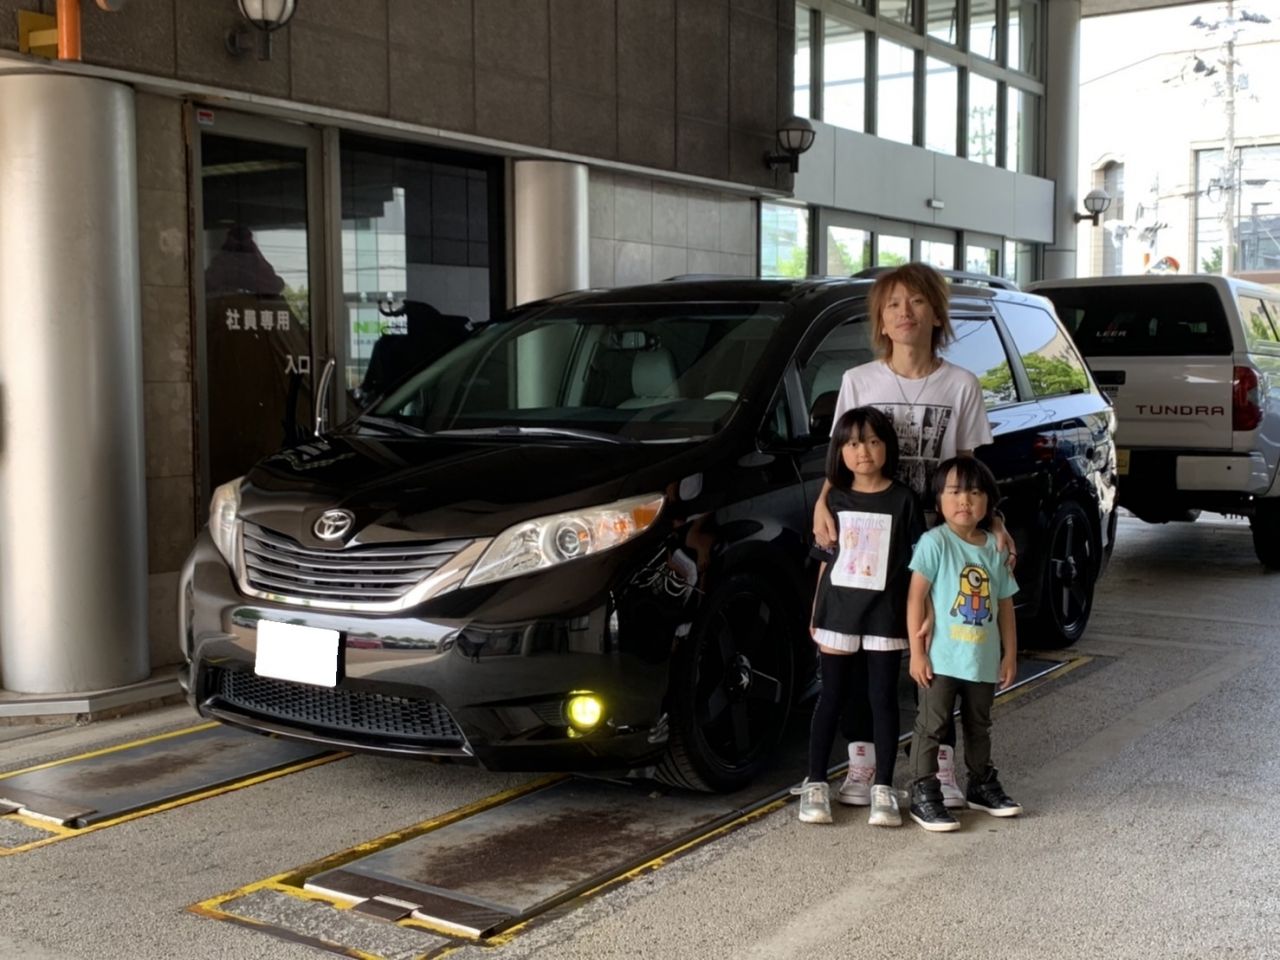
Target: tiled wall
166, 362
697, 86
643, 230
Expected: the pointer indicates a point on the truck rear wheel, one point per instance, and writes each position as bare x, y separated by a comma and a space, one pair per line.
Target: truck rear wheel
1265, 524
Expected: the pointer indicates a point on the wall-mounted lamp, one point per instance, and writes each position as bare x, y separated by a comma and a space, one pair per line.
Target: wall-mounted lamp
795, 136
266, 16
1096, 202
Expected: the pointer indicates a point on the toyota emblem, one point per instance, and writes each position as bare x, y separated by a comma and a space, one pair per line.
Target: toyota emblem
334, 524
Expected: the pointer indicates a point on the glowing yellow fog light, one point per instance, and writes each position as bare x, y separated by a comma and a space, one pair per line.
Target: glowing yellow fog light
584, 711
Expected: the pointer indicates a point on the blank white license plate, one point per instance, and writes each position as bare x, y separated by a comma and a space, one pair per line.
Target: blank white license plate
288, 651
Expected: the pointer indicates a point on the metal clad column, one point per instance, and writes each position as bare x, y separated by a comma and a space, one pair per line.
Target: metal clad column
551, 230
552, 251
1062, 131
73, 560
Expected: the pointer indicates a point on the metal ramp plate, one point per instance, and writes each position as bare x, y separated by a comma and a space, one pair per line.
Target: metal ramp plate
481, 874
80, 792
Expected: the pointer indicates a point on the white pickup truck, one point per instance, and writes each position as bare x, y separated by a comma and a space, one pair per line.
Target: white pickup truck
1192, 367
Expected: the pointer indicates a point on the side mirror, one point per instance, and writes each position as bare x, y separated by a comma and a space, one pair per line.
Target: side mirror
822, 414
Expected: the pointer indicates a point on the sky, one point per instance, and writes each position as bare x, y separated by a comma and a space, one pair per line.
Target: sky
1110, 43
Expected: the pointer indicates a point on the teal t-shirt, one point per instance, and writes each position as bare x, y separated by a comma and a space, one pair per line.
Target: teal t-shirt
968, 583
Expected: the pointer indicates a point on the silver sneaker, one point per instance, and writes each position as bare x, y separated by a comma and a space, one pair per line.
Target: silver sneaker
815, 801
884, 807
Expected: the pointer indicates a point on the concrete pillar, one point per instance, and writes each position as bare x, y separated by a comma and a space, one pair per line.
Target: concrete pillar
1062, 131
73, 534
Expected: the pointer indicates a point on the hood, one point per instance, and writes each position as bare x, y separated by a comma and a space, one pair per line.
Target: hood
437, 488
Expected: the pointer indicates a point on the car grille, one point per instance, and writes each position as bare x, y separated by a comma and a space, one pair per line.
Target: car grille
335, 710
366, 574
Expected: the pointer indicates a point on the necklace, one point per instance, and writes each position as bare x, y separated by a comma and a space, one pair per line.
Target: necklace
897, 378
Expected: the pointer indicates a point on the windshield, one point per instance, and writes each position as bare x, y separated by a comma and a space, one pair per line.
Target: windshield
630, 372
1143, 320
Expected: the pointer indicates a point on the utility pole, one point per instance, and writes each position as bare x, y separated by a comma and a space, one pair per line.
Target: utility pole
1231, 172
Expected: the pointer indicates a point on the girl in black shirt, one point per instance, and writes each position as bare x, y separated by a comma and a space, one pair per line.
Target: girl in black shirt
860, 610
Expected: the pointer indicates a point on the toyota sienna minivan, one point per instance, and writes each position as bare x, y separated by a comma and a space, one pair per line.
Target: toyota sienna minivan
578, 539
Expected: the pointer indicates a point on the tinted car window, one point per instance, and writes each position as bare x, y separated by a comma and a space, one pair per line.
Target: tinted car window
1183, 319
1050, 359
1258, 322
848, 345
978, 348
666, 372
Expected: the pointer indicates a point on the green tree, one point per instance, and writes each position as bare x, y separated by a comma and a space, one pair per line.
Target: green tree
795, 265
1213, 264
1049, 376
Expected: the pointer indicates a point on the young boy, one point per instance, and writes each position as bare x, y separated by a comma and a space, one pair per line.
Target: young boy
974, 644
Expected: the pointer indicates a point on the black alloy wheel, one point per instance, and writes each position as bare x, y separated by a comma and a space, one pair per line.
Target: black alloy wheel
1070, 573
731, 688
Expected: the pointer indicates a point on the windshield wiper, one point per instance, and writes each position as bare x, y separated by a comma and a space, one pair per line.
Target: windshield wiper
514, 430
389, 425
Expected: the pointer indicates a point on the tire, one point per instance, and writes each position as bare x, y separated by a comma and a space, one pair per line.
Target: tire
1070, 573
1265, 524
731, 688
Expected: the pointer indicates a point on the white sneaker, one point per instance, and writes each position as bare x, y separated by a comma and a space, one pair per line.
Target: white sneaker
884, 807
952, 795
856, 789
815, 801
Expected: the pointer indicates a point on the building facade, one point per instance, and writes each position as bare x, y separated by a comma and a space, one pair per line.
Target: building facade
216, 219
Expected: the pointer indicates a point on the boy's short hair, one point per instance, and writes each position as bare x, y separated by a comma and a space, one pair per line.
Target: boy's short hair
917, 278
972, 474
855, 423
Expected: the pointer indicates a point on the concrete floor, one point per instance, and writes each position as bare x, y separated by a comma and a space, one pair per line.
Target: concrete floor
1144, 774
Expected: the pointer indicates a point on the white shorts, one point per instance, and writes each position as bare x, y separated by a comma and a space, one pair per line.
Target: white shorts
852, 642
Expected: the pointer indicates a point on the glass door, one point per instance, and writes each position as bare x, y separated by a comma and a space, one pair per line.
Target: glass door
260, 288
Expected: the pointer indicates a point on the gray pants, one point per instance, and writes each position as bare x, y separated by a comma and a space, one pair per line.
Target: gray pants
936, 705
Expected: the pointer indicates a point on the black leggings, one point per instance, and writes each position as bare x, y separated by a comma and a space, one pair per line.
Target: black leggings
863, 682
857, 723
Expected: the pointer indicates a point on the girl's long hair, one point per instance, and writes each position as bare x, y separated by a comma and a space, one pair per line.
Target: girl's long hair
856, 424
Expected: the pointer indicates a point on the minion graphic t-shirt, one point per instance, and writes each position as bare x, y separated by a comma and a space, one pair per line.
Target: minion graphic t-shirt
967, 584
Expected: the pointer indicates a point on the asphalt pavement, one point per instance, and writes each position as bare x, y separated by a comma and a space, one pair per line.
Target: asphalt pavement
1145, 773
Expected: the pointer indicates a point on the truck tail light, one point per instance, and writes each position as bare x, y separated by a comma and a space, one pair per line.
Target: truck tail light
1246, 399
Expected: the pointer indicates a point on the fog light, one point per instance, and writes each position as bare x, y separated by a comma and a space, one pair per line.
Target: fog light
584, 711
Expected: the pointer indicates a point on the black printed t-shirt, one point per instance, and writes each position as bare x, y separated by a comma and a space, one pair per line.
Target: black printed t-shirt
863, 589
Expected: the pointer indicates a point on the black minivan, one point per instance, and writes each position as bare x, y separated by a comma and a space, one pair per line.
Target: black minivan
578, 539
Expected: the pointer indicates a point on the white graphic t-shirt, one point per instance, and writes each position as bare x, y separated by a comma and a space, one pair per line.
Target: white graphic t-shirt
934, 417
863, 557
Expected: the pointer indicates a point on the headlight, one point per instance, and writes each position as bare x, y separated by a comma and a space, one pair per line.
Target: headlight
223, 527
547, 541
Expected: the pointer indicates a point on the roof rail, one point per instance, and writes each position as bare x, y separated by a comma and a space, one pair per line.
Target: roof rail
706, 276
960, 276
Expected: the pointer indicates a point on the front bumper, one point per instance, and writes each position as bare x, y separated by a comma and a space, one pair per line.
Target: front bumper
438, 681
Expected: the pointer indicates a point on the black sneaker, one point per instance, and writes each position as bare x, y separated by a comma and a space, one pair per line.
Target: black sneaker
928, 810
990, 797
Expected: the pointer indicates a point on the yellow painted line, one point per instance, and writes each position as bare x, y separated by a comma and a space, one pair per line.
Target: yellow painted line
106, 750
290, 882
65, 833
1068, 664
